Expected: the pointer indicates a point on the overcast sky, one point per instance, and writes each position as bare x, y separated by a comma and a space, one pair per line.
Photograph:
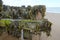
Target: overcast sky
48, 3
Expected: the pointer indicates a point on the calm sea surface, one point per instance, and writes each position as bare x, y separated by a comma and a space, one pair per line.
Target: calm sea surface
53, 9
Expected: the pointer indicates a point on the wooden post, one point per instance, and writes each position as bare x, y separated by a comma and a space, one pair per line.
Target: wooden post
22, 38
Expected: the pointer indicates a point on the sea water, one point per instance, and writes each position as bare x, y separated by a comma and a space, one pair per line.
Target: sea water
53, 9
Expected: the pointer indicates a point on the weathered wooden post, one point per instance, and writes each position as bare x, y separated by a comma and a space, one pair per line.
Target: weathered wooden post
1, 5
22, 38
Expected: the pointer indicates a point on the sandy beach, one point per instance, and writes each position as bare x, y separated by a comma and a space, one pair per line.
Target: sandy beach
55, 32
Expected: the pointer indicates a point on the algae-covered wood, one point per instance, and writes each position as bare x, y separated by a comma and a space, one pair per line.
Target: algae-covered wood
24, 22
40, 25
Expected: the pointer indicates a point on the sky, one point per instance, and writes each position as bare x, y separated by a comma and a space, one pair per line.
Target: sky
48, 3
